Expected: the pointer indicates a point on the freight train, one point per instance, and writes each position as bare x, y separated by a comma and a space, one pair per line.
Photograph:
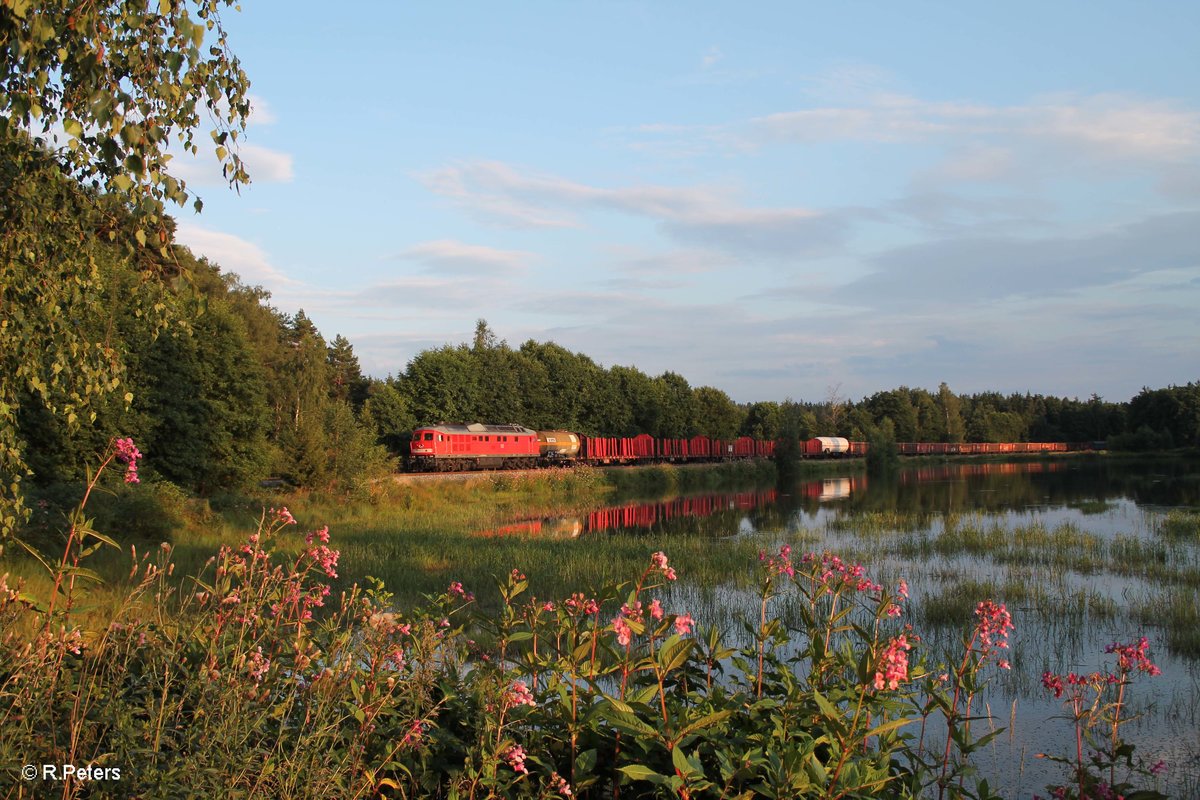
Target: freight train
453, 448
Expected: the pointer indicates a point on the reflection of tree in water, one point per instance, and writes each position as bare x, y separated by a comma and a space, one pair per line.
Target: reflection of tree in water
912, 495
960, 488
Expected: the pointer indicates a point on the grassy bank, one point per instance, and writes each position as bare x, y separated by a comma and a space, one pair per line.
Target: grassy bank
416, 536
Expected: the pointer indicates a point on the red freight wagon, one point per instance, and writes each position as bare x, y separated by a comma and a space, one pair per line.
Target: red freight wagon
743, 447
606, 449
643, 447
473, 446
673, 449
701, 447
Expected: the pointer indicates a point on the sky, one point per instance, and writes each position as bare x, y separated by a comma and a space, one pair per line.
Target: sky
783, 200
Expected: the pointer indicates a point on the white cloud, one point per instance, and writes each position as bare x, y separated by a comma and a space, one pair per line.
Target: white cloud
695, 214
266, 165
1107, 123
485, 189
233, 254
1114, 124
260, 111
447, 255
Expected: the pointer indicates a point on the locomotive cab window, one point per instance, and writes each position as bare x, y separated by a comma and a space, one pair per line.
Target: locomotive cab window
429, 437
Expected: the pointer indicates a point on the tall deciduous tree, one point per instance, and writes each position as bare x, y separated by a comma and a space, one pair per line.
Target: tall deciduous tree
96, 91
716, 415
953, 428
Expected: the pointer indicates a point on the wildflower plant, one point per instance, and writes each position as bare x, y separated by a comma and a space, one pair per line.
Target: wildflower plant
282, 685
1105, 765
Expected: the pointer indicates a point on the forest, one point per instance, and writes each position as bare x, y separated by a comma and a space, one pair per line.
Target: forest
222, 391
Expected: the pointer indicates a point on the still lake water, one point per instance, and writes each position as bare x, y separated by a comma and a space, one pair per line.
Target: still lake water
1076, 547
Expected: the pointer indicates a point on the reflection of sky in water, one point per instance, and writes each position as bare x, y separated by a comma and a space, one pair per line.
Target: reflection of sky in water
1108, 504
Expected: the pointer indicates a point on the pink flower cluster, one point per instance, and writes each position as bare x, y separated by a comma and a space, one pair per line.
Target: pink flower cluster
515, 756
893, 664
1134, 657
835, 574
559, 784
780, 564
456, 589
579, 604
1075, 682
623, 631
658, 561
413, 735
257, 665
991, 631
518, 694
656, 609
128, 454
621, 627
322, 556
284, 517
683, 624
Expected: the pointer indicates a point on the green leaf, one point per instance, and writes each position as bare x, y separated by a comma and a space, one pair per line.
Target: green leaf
638, 772
888, 727
707, 721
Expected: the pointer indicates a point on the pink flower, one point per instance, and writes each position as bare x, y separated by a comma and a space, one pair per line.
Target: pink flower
656, 609
577, 604
127, 453
414, 734
658, 561
322, 535
1131, 656
903, 589
683, 624
623, 631
519, 695
993, 626
893, 664
559, 784
515, 756
325, 558
257, 665
284, 516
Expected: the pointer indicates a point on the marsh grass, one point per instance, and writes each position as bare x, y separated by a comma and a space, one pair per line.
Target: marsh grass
1180, 525
1177, 611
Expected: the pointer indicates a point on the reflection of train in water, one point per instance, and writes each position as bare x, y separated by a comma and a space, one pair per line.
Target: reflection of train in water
637, 515
808, 494
441, 448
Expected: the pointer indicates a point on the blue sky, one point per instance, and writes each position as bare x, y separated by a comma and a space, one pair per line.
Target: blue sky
777, 199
